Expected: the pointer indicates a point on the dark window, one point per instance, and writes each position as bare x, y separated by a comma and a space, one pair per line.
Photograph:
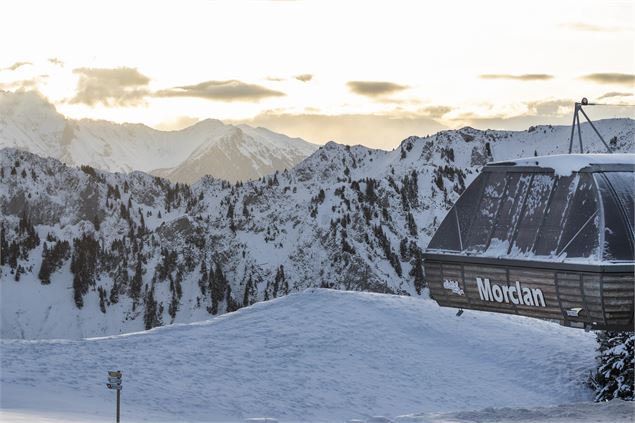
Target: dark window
617, 204
535, 206
509, 212
550, 231
486, 212
447, 236
452, 232
623, 184
467, 205
580, 233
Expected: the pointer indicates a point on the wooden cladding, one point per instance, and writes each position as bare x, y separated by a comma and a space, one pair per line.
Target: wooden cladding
579, 298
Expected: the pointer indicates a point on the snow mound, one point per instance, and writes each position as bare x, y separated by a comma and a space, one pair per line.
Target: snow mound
317, 356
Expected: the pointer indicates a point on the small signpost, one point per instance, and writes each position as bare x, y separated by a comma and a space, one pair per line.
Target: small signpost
114, 382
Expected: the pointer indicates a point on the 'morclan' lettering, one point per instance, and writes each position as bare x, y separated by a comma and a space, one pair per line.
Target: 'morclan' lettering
515, 294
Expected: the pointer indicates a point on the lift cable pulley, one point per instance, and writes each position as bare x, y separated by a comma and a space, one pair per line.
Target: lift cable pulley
576, 123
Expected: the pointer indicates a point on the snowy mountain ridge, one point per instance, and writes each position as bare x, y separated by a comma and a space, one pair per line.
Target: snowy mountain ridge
90, 253
29, 122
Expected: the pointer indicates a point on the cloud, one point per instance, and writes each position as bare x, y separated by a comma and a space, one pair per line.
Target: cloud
614, 94
523, 77
110, 87
372, 130
611, 78
375, 88
22, 85
231, 90
16, 65
550, 107
31, 84
435, 111
305, 77
55, 61
583, 26
177, 123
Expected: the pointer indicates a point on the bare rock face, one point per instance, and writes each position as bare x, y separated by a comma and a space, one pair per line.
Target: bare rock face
479, 157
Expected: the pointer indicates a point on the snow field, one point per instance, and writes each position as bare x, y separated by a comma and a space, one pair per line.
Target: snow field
318, 356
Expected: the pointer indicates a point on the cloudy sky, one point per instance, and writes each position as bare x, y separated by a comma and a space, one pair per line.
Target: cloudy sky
356, 72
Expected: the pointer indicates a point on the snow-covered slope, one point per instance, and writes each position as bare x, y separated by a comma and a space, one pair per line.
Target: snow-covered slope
239, 153
30, 123
147, 252
318, 356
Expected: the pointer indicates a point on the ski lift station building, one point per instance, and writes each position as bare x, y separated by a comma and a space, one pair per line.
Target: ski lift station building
547, 237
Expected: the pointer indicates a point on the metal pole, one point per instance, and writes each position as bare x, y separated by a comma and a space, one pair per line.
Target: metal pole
575, 113
577, 116
118, 395
596, 131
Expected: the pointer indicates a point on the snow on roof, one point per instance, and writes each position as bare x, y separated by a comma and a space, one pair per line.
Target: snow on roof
566, 164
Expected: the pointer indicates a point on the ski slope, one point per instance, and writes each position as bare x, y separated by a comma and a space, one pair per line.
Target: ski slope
316, 356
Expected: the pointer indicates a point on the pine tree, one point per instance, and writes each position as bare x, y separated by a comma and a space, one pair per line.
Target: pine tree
4, 246
12, 255
245, 210
203, 281
218, 286
114, 293
102, 299
137, 280
280, 284
614, 378
403, 249
417, 273
249, 292
232, 305
321, 196
45, 267
84, 266
20, 270
151, 318
77, 291
371, 197
412, 225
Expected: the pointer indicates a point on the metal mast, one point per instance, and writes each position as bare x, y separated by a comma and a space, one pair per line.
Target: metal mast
576, 123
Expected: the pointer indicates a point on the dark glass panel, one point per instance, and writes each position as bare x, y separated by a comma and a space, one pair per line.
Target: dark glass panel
580, 235
486, 212
468, 203
618, 236
623, 184
509, 213
447, 236
550, 231
535, 206
456, 223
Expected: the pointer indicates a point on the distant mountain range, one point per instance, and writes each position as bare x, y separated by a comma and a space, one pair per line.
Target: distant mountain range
231, 152
86, 252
